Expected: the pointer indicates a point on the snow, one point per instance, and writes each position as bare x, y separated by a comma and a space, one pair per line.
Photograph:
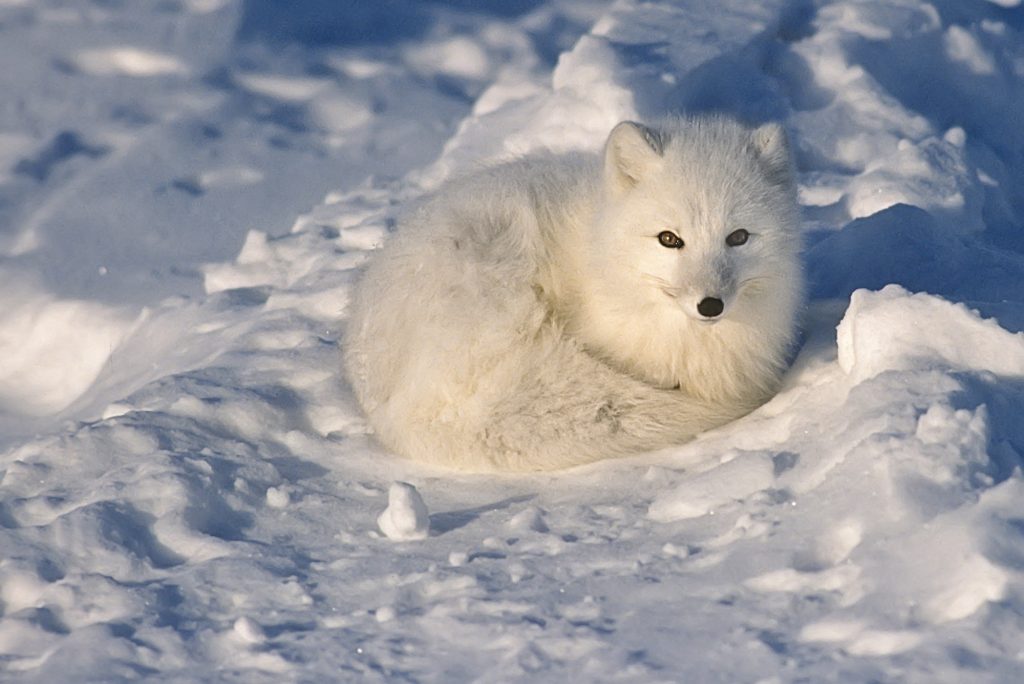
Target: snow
188, 491
127, 60
893, 330
406, 518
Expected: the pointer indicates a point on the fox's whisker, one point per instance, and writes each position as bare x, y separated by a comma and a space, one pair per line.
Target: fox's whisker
754, 280
662, 284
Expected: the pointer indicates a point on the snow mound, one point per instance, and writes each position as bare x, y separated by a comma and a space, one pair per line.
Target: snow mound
51, 349
406, 518
895, 330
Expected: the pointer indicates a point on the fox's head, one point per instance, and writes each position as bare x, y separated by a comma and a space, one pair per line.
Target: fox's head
699, 215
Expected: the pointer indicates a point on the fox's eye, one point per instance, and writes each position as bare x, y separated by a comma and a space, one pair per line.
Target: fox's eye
669, 239
737, 238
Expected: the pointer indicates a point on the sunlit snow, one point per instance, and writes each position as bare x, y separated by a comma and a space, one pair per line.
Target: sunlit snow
188, 490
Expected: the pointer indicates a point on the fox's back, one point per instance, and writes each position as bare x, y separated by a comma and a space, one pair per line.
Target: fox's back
465, 278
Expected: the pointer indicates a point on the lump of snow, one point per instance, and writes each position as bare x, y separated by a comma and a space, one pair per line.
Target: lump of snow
941, 424
459, 57
895, 330
249, 631
831, 547
879, 642
278, 497
971, 584
385, 614
51, 350
406, 517
528, 520
458, 558
128, 61
114, 410
962, 47
286, 88
675, 551
340, 112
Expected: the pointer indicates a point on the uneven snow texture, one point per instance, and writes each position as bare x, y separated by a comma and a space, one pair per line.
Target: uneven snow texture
188, 492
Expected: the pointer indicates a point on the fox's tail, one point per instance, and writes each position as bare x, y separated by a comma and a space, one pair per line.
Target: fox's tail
574, 409
565, 408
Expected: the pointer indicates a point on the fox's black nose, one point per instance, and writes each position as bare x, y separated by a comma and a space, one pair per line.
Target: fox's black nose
710, 307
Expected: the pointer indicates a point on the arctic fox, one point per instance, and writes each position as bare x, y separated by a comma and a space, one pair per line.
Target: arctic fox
556, 310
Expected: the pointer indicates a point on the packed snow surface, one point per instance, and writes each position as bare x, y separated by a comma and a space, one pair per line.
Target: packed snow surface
189, 492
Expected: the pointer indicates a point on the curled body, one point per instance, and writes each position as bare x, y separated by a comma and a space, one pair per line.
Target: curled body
559, 309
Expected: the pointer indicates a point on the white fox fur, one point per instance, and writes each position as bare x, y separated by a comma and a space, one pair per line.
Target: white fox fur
528, 317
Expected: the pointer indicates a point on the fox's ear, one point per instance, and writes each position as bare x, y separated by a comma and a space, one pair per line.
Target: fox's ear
772, 147
632, 152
